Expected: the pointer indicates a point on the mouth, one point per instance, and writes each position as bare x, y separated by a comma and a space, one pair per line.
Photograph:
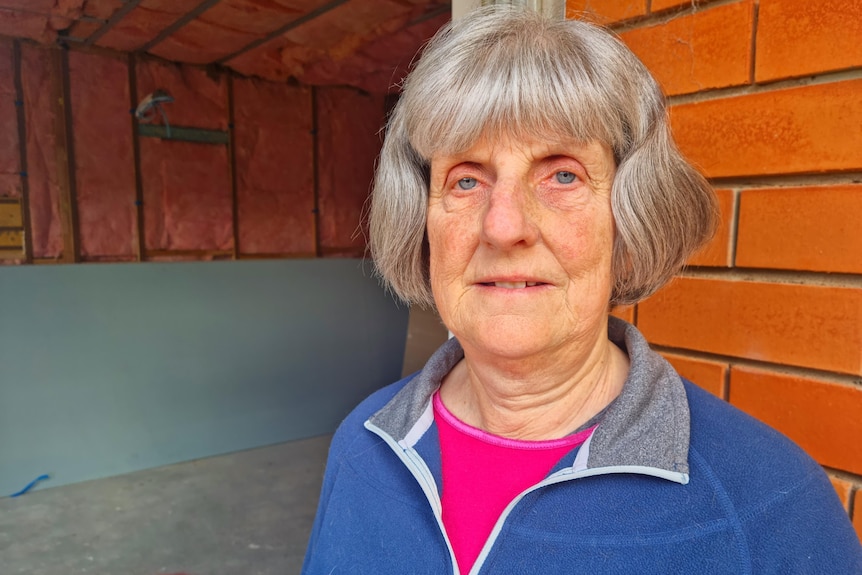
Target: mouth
513, 285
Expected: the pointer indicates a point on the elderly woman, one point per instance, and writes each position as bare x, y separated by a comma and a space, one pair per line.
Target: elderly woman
527, 183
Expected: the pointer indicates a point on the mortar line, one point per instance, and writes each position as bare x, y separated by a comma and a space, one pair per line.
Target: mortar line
820, 375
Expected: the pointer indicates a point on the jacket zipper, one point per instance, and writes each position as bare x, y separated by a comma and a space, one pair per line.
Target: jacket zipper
418, 468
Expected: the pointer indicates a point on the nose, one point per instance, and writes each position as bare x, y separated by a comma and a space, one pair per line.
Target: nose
508, 220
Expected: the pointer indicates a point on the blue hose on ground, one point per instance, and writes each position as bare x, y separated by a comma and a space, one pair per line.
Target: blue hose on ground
31, 485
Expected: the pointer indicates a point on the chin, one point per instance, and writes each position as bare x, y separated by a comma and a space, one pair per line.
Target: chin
505, 343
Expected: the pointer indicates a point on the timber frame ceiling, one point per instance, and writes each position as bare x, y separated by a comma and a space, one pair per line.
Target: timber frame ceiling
363, 43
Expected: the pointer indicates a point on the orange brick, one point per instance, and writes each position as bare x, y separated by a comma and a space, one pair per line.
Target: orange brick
809, 326
717, 252
605, 11
696, 52
842, 488
789, 131
658, 5
799, 37
709, 375
814, 228
823, 418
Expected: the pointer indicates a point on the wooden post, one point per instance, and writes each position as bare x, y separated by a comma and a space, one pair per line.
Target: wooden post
65, 154
231, 155
136, 155
315, 151
22, 151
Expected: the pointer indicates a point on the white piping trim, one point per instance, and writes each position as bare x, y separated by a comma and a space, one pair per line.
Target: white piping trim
423, 424
569, 474
419, 469
583, 455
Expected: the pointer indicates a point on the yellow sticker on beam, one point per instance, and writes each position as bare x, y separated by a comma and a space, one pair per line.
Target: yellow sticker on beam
12, 239
10, 213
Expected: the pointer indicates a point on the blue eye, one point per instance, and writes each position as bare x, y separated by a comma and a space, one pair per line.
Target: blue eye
565, 177
467, 183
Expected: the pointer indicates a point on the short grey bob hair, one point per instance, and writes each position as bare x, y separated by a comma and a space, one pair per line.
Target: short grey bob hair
509, 71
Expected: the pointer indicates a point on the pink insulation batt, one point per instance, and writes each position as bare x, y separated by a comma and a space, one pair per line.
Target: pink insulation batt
41, 114
38, 19
370, 67
348, 141
274, 167
187, 191
187, 196
104, 161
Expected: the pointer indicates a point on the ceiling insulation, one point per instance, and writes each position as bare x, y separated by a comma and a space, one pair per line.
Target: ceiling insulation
363, 43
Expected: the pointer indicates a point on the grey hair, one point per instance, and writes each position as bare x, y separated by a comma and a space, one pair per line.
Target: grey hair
504, 70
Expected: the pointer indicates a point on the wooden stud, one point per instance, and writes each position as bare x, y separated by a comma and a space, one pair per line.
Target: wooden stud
315, 151
65, 154
136, 154
22, 152
231, 154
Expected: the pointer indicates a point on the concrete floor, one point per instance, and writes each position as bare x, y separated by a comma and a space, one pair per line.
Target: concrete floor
246, 513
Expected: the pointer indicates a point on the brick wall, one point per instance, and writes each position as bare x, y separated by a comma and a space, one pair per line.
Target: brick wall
766, 98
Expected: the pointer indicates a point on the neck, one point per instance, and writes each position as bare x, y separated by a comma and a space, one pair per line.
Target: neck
535, 398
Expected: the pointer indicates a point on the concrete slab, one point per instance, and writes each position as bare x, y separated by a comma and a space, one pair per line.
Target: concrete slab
246, 513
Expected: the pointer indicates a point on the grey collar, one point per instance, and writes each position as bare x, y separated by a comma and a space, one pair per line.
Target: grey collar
646, 426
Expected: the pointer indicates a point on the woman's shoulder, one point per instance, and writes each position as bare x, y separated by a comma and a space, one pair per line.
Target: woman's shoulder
775, 493
758, 469
734, 442
355, 420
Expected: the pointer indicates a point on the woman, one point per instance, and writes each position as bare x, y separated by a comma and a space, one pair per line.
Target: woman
527, 183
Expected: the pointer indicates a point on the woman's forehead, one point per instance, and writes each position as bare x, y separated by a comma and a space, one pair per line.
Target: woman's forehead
530, 146
596, 156
493, 139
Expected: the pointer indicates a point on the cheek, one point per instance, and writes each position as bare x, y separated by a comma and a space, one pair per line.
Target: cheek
449, 240
436, 244
440, 258
586, 246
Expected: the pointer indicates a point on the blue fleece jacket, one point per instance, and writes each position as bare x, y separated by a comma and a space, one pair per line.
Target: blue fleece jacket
673, 480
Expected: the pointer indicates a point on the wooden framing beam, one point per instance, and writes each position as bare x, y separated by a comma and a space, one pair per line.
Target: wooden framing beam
112, 21
231, 155
315, 152
22, 152
136, 155
179, 23
280, 31
65, 154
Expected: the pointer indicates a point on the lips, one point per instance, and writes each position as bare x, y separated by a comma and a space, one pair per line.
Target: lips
512, 285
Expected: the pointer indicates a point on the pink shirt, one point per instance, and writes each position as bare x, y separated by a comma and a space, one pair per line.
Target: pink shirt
483, 473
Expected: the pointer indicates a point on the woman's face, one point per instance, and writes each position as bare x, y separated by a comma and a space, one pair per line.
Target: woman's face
521, 237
